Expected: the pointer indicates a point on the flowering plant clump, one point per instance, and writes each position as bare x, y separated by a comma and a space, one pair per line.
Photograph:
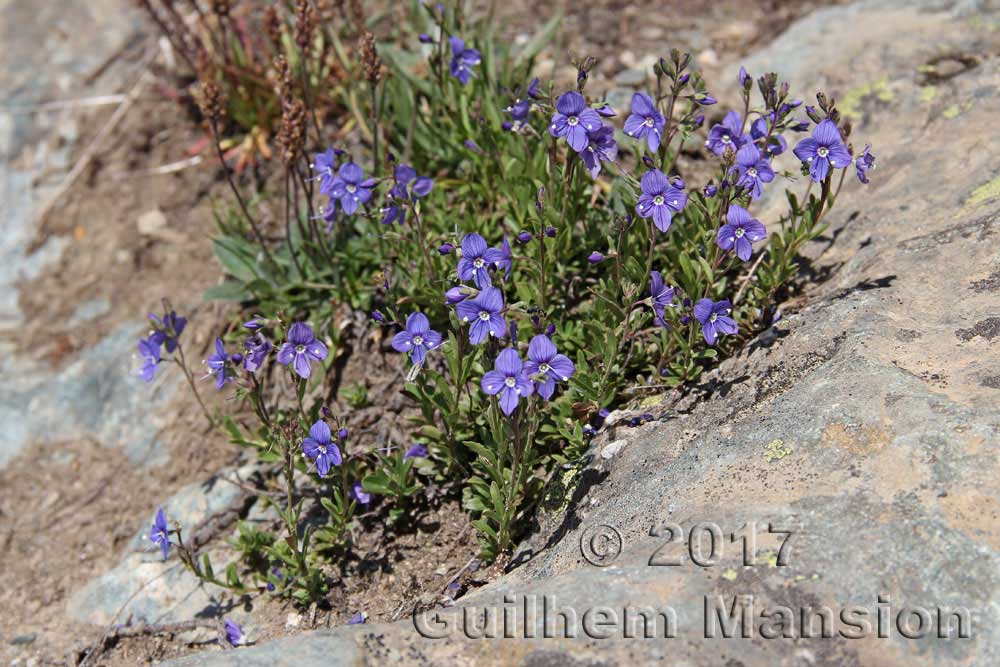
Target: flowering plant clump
534, 266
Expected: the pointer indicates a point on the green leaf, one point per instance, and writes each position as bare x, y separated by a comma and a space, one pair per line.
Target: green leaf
538, 41
227, 291
237, 257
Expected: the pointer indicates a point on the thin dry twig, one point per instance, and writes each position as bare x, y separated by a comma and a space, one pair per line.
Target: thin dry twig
169, 168
97, 649
753, 272
78, 103
98, 140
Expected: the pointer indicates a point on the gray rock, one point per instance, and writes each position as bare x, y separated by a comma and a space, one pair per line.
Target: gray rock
611, 449
324, 647
146, 588
96, 396
632, 76
620, 99
90, 309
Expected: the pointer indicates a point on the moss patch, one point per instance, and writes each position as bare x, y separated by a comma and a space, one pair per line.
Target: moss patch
984, 193
850, 104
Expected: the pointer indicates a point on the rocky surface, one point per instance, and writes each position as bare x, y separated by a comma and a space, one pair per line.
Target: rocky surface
144, 588
866, 424
94, 396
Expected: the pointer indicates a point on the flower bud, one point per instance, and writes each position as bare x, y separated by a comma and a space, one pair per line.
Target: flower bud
457, 294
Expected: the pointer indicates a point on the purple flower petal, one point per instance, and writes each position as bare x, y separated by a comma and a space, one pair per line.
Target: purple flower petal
302, 366
703, 310
562, 367
570, 103
320, 432
508, 362
508, 400
541, 349
492, 382
300, 334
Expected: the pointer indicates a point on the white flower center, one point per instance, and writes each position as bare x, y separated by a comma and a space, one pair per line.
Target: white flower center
322, 449
752, 172
572, 121
352, 188
300, 348
658, 200
740, 232
510, 382
648, 122
726, 139
418, 340
478, 262
712, 318
484, 315
544, 368
823, 151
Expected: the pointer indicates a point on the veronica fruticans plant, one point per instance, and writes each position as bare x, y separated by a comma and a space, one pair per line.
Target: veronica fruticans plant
534, 265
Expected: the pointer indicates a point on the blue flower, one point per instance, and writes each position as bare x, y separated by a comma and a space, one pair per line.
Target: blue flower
533, 90
416, 451
350, 187
159, 533
462, 59
573, 120
823, 150
660, 296
727, 134
714, 318
403, 175
741, 231
775, 145
167, 330
864, 164
320, 448
502, 258
149, 351
234, 633
476, 260
219, 365
417, 339
301, 350
601, 147
645, 122
547, 366
508, 379
752, 170
324, 164
659, 199
485, 314
359, 494
257, 348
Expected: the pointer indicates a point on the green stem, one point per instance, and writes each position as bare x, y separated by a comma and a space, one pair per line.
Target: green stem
191, 383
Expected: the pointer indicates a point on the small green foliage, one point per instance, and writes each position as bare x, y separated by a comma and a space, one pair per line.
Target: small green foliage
575, 258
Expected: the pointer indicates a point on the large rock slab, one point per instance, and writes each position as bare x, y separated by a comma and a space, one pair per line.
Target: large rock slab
93, 395
866, 425
143, 587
